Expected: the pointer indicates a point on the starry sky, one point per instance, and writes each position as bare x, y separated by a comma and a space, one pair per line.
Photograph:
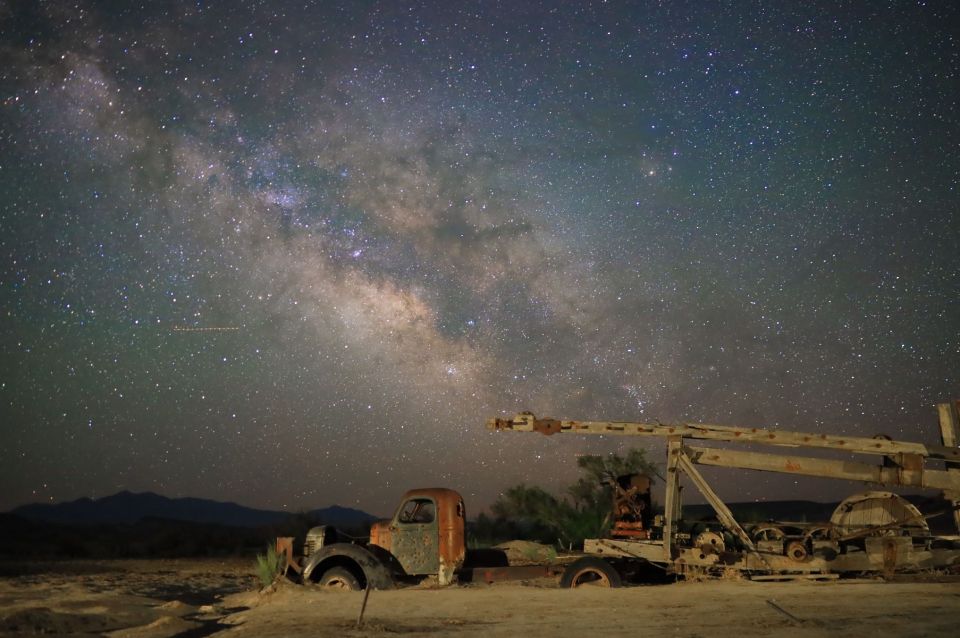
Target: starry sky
293, 254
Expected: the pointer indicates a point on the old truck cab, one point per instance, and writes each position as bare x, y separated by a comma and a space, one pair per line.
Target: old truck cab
425, 537
426, 534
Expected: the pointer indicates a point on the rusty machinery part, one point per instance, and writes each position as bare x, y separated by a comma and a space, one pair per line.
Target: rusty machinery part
709, 543
632, 509
797, 550
339, 579
818, 533
624, 529
543, 426
890, 513
590, 571
631, 496
767, 533
284, 549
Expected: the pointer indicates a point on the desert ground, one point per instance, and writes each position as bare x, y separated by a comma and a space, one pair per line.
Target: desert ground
164, 598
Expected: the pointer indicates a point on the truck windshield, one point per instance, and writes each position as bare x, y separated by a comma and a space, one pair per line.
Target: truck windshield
417, 510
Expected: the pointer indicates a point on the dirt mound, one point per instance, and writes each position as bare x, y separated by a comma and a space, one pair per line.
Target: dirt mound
527, 553
162, 627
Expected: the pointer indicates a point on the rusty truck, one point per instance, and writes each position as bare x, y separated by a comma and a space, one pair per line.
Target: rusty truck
425, 539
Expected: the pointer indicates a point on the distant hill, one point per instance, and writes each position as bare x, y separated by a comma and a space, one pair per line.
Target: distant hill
346, 517
23, 541
129, 508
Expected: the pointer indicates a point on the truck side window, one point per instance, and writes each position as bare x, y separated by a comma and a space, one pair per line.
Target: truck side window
417, 510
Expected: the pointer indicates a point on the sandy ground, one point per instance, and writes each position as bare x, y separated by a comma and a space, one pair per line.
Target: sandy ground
142, 598
160, 599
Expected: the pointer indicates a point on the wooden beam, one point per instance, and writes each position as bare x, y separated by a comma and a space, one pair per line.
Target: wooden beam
948, 424
527, 422
826, 468
724, 515
672, 505
949, 434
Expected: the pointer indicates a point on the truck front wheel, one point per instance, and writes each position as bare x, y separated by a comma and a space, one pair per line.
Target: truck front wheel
591, 571
339, 578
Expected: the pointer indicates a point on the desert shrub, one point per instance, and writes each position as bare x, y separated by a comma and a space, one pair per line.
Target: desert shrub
269, 565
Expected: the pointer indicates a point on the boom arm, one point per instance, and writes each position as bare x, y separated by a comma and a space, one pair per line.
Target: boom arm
527, 422
904, 462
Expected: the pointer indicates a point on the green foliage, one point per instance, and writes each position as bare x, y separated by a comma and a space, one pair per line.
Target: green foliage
532, 503
584, 511
487, 531
269, 565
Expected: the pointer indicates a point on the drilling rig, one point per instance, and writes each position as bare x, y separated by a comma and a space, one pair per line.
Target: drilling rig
870, 532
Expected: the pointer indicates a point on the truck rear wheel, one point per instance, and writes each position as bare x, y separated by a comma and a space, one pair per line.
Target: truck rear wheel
591, 571
339, 578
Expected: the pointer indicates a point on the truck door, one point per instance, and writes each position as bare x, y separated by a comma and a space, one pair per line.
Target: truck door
416, 536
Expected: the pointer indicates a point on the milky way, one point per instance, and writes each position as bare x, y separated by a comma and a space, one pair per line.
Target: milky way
295, 253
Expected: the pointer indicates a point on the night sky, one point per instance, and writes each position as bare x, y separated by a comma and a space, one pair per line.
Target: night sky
293, 254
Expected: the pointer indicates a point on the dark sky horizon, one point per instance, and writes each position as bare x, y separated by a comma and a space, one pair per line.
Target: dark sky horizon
292, 254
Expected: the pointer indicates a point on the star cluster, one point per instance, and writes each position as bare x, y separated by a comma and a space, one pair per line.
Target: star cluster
295, 253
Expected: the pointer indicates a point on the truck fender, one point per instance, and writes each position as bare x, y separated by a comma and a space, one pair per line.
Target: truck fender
375, 569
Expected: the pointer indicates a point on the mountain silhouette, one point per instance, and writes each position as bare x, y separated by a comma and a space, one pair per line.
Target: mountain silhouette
128, 507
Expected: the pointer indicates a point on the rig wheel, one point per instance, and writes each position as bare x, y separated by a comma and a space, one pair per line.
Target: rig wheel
797, 551
339, 578
767, 533
590, 571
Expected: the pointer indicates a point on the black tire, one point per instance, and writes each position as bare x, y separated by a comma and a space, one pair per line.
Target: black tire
339, 578
590, 571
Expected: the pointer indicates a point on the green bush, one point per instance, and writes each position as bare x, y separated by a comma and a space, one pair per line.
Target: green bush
269, 565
